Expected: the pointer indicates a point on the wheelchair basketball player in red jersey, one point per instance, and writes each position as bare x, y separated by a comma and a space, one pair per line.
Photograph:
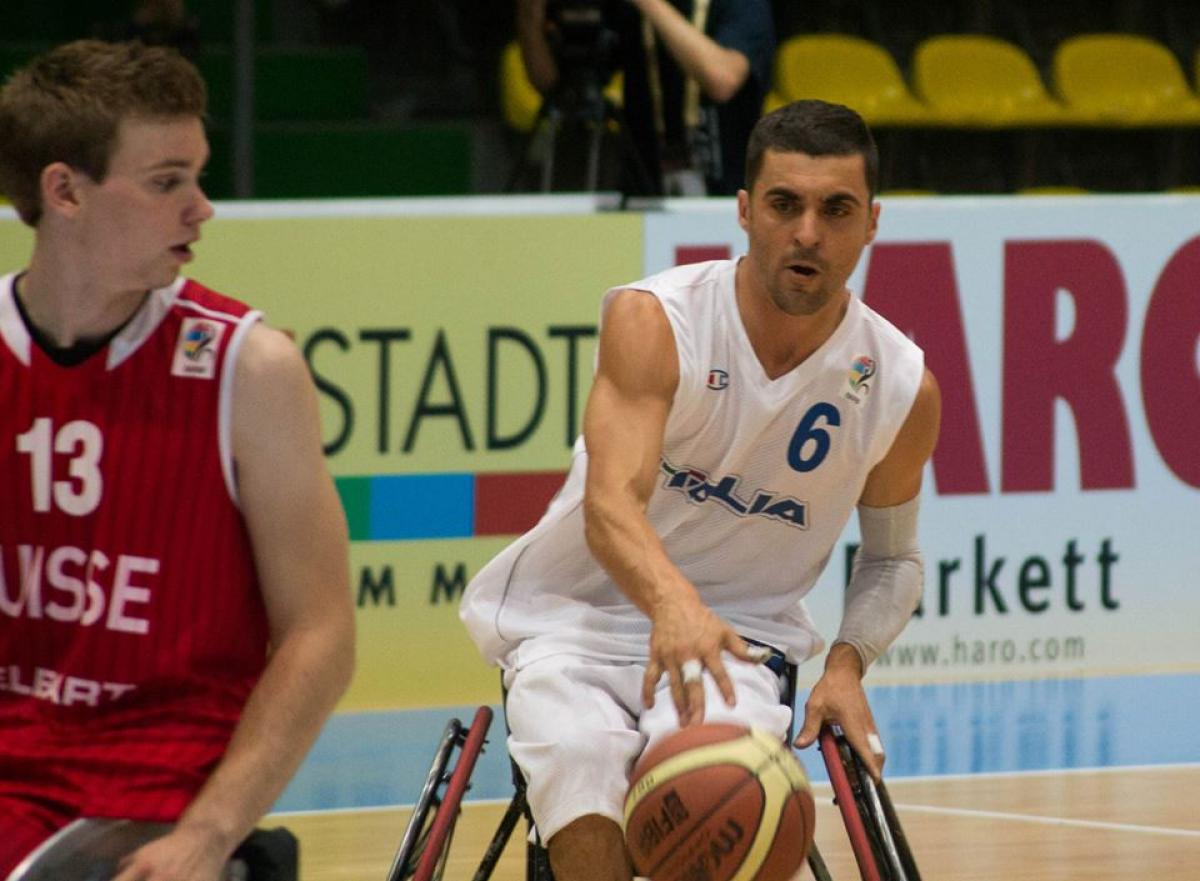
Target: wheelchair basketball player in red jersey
175, 614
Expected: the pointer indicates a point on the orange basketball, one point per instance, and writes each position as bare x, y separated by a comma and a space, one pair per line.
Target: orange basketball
719, 803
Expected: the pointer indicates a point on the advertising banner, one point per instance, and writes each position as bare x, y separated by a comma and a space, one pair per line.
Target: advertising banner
452, 343
1059, 512
452, 350
452, 354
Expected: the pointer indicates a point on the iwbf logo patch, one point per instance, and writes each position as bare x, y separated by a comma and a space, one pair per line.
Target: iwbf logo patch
862, 371
198, 347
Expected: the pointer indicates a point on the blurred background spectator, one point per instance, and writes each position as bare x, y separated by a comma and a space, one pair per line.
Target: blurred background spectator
398, 97
695, 74
162, 23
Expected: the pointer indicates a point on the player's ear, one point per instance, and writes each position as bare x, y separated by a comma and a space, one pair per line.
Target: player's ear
743, 203
60, 189
873, 226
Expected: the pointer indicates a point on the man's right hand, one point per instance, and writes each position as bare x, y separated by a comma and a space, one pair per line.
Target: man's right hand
687, 638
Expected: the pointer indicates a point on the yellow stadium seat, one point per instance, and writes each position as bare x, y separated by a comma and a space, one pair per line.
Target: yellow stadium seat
1123, 79
847, 70
979, 81
518, 98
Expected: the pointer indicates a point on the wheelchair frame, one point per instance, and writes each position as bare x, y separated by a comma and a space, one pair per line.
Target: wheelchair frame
91, 849
876, 837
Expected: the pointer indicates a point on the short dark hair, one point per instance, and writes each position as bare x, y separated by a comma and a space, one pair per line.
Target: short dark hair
817, 128
67, 105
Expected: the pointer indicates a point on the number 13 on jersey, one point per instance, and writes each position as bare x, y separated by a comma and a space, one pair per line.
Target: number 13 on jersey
82, 441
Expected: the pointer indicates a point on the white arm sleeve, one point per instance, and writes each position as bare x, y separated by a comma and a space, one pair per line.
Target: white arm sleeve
886, 580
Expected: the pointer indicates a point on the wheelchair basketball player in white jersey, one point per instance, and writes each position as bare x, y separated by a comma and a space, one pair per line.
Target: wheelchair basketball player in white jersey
741, 411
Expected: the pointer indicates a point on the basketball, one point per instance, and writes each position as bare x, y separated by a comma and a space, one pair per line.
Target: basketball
719, 803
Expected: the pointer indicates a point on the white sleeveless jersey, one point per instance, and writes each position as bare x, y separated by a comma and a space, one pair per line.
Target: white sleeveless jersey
756, 482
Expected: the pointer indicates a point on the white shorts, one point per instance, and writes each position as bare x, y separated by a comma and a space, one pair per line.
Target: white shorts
577, 728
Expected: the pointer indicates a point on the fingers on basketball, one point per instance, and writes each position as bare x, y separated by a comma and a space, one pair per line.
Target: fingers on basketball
654, 672
721, 677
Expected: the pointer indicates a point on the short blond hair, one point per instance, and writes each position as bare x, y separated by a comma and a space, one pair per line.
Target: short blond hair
67, 105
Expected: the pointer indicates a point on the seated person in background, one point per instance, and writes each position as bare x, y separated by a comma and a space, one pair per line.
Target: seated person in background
741, 410
696, 73
175, 614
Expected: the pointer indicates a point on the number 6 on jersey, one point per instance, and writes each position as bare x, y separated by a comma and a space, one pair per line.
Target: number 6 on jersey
807, 432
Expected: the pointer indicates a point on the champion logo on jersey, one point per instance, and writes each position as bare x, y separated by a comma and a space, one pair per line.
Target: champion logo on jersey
862, 371
718, 380
198, 347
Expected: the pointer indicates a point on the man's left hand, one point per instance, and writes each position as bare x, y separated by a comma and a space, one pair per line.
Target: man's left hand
838, 697
188, 853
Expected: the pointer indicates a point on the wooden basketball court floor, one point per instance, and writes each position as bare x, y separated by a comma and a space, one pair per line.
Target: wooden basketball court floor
1088, 779
1104, 825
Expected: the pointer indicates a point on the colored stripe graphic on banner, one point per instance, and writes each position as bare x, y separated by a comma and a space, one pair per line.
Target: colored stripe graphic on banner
412, 507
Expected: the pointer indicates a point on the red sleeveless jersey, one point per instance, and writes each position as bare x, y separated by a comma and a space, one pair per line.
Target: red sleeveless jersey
132, 628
